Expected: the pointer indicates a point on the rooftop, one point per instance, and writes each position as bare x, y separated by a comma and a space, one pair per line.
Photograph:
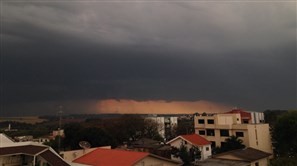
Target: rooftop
111, 157
246, 154
194, 139
243, 114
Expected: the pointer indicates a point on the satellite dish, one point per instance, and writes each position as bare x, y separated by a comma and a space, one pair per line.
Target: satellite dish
84, 144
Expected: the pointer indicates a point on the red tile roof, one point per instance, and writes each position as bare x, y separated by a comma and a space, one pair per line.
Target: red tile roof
196, 139
111, 157
243, 114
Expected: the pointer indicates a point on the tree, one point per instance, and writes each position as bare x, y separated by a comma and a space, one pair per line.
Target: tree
74, 133
129, 128
185, 154
54, 143
71, 132
284, 161
151, 130
185, 126
232, 143
284, 133
271, 116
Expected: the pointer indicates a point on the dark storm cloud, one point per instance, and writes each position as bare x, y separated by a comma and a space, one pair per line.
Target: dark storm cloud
240, 54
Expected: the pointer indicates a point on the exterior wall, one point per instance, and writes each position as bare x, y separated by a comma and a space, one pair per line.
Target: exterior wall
261, 162
11, 160
74, 154
257, 117
152, 161
228, 119
204, 152
18, 160
260, 138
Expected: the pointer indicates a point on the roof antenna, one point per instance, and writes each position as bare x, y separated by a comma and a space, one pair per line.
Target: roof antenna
59, 129
85, 145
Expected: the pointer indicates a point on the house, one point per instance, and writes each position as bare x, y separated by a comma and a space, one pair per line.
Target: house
27, 153
113, 157
217, 127
192, 140
240, 157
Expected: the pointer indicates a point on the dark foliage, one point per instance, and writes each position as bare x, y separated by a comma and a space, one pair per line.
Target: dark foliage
284, 134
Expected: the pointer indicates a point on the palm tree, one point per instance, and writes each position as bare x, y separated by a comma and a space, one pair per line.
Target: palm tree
232, 143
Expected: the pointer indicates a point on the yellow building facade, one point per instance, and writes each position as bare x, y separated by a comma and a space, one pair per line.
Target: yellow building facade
217, 127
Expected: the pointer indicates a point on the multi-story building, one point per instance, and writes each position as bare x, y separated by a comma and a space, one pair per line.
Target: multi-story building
217, 127
166, 124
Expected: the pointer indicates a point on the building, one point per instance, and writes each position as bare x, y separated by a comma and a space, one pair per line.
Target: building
192, 140
166, 124
240, 157
113, 157
58, 133
27, 154
23, 138
217, 127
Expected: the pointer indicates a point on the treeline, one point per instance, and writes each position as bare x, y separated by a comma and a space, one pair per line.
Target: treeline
107, 132
283, 125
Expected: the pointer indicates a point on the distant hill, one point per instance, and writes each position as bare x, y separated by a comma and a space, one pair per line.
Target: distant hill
159, 107
25, 119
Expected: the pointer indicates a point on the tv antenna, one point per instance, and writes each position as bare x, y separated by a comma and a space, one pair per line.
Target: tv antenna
59, 129
84, 144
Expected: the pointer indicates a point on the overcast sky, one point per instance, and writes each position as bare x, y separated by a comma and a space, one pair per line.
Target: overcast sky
240, 53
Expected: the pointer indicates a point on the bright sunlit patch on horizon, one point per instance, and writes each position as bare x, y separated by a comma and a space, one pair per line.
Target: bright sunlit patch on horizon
159, 107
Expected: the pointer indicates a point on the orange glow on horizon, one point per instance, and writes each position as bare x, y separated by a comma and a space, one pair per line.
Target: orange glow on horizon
159, 107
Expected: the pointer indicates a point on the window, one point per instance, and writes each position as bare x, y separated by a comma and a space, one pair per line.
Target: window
210, 132
210, 121
201, 132
257, 164
224, 133
185, 142
239, 134
201, 121
207, 148
245, 121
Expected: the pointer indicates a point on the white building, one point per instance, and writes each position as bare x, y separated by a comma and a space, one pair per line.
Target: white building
192, 140
165, 124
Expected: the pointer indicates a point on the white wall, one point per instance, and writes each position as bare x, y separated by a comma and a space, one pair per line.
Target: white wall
204, 153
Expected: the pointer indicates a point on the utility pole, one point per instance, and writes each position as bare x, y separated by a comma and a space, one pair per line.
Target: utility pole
59, 129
